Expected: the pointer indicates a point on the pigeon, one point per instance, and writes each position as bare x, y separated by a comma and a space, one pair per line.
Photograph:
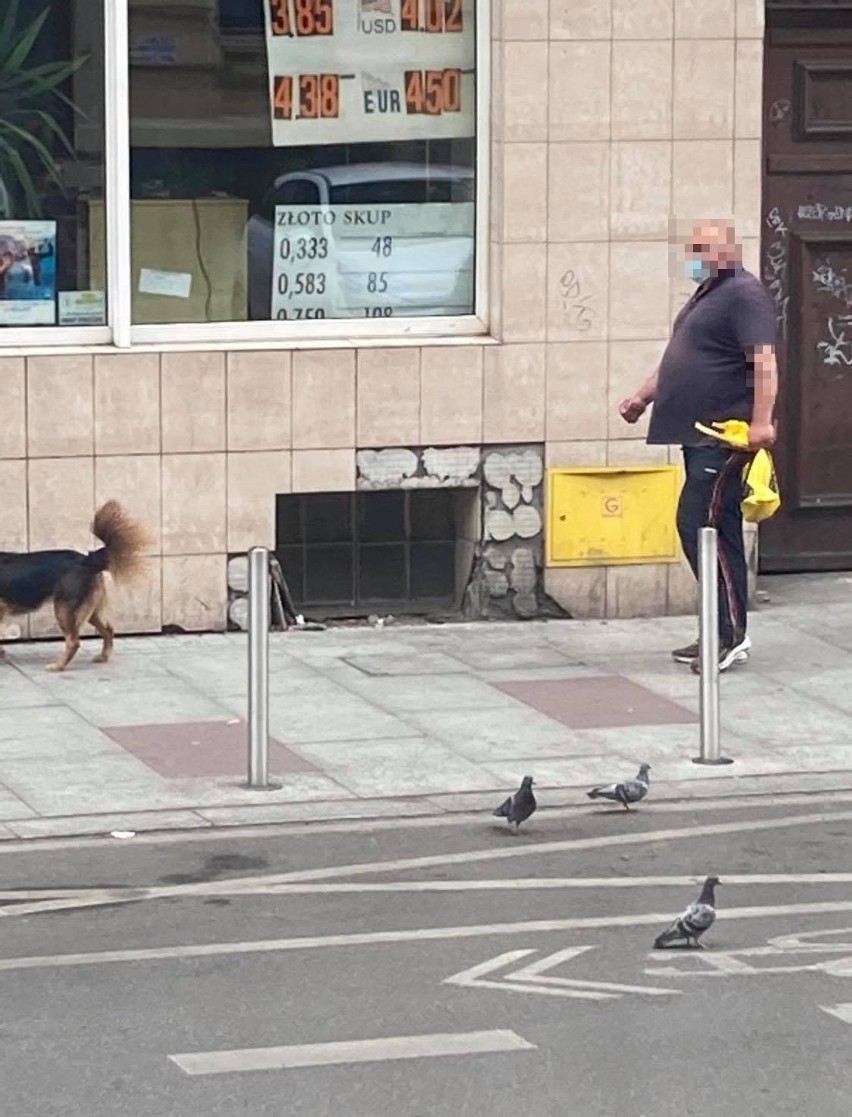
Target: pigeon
631, 791
698, 918
520, 806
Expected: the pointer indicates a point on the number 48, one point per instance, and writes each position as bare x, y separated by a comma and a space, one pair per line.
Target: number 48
382, 246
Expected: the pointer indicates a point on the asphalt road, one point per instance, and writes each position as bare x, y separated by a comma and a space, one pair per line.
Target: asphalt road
517, 970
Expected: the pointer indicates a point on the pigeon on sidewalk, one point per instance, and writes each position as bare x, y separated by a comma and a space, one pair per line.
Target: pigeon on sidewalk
631, 791
698, 918
518, 807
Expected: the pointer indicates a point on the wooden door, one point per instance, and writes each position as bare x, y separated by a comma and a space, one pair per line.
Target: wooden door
806, 262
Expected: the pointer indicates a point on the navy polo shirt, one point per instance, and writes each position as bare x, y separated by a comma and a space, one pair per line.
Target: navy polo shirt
706, 374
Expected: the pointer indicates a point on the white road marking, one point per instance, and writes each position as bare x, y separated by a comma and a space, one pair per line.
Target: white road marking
842, 1012
532, 979
351, 1051
415, 935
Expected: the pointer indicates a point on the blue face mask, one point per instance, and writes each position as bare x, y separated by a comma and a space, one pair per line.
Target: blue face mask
696, 269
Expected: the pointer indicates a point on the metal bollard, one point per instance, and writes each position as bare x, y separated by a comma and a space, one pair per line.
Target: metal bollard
258, 671
708, 644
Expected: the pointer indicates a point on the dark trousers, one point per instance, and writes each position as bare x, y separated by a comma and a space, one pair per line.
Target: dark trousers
712, 497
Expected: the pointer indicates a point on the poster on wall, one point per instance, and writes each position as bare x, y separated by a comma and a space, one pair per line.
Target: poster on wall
27, 273
365, 71
373, 261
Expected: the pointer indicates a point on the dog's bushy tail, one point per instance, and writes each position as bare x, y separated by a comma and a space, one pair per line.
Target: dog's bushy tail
124, 542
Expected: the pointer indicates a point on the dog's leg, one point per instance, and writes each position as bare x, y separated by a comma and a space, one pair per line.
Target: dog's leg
69, 625
106, 632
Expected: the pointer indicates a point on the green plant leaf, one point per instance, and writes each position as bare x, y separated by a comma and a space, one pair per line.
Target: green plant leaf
8, 26
50, 124
21, 51
41, 79
42, 153
22, 176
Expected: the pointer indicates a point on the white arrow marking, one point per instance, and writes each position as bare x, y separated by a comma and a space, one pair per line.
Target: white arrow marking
474, 978
842, 1012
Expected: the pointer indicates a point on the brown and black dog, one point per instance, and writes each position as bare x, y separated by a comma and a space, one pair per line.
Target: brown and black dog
76, 583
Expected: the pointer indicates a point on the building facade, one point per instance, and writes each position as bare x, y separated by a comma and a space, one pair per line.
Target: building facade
349, 278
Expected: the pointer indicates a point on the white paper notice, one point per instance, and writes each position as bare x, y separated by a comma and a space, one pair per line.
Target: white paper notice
362, 71
82, 308
172, 284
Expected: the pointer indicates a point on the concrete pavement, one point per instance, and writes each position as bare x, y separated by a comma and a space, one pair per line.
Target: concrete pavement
419, 719
160, 976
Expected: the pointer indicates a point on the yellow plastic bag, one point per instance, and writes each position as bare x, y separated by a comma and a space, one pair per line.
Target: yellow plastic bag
762, 495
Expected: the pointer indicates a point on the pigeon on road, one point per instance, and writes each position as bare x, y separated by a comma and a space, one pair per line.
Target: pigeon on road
631, 791
698, 918
520, 806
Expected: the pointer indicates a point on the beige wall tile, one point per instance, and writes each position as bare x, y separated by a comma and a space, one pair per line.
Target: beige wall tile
498, 93
127, 403
590, 20
323, 398
496, 198
578, 191
641, 189
751, 254
13, 501
696, 19
61, 503
193, 504
521, 19
495, 289
580, 590
703, 180
636, 591
630, 365
652, 19
195, 593
451, 395
259, 387
632, 451
577, 291
254, 481
524, 295
639, 290
137, 606
747, 187
682, 592
579, 95
750, 19
704, 89
193, 390
323, 471
135, 482
388, 397
13, 408
642, 90
749, 89
60, 412
574, 455
514, 393
524, 87
576, 393
524, 209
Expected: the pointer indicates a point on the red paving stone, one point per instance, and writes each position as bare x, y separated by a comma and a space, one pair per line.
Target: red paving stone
599, 702
198, 749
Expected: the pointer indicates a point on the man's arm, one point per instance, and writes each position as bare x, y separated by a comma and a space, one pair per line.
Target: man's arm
633, 408
762, 426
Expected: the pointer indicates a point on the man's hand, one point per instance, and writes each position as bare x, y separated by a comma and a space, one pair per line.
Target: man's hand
631, 410
761, 436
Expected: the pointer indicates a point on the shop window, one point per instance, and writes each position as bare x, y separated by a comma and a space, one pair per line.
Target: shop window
302, 160
52, 248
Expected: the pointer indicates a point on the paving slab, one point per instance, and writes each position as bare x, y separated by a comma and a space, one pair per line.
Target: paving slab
411, 718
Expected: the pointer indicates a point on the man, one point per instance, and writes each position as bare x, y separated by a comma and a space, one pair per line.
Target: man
719, 364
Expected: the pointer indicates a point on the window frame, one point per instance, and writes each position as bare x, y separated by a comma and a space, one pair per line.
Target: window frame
120, 331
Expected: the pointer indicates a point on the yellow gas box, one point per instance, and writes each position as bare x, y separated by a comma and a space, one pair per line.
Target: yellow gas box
612, 516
